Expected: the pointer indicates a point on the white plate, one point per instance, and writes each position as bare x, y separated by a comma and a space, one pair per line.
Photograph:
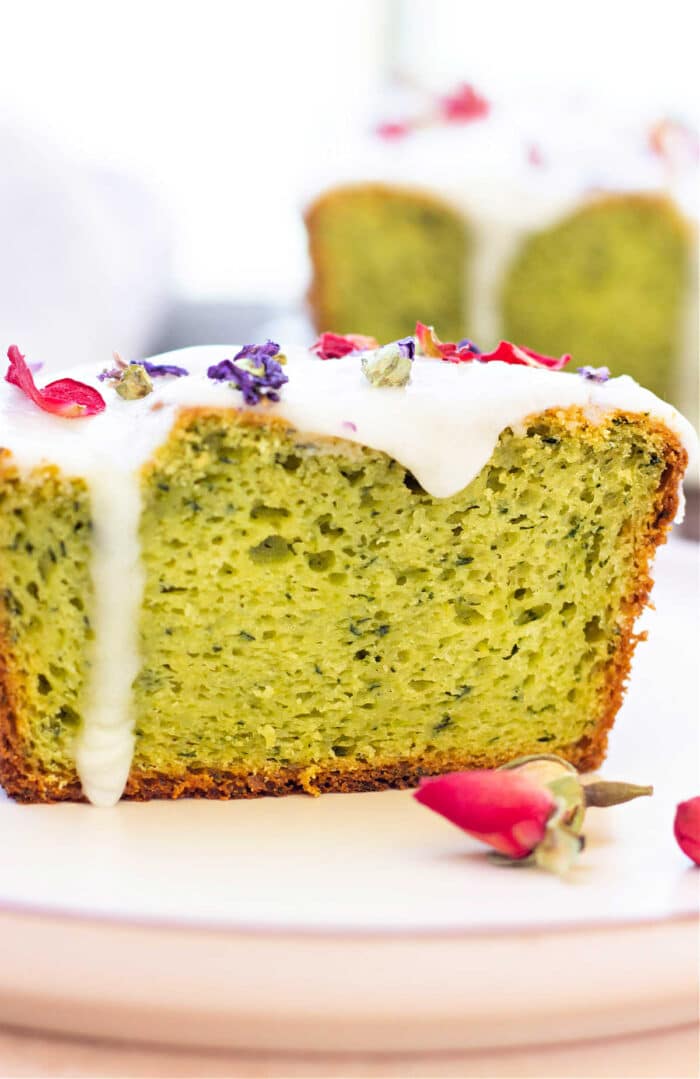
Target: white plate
363, 921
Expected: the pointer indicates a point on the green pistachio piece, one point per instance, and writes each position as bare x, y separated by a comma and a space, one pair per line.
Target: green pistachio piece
387, 366
134, 383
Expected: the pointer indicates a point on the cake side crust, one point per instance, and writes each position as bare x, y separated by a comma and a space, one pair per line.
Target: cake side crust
27, 784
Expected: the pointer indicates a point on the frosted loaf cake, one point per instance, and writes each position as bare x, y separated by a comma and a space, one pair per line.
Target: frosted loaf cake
262, 577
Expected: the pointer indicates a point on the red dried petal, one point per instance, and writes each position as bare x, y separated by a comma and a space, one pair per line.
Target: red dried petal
332, 346
64, 397
431, 345
393, 129
535, 155
428, 341
464, 105
452, 353
501, 808
674, 142
686, 828
524, 357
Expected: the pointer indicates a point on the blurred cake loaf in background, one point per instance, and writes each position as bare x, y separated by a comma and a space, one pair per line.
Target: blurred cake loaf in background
547, 221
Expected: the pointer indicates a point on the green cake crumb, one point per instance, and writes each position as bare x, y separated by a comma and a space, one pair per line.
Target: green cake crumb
319, 592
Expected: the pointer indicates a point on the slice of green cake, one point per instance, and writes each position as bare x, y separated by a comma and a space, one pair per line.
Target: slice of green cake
384, 255
610, 283
337, 586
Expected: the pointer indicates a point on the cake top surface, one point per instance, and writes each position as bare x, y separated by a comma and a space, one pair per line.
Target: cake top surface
442, 425
522, 162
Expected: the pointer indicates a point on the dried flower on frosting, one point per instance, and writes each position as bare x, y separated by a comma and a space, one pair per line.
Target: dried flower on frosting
333, 346
464, 105
259, 353
524, 357
389, 365
113, 374
158, 370
134, 383
594, 374
429, 344
675, 143
259, 374
465, 351
64, 397
154, 370
529, 811
110, 374
393, 129
466, 343
133, 380
535, 156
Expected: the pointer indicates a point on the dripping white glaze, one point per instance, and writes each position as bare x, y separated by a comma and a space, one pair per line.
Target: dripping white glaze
443, 426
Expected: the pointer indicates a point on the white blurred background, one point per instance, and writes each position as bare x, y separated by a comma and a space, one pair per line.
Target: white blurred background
222, 110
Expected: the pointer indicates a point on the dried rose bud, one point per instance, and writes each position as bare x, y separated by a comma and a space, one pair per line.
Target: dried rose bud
503, 809
530, 810
686, 828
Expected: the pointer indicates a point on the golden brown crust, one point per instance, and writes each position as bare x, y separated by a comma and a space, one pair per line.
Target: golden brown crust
315, 295
23, 781
654, 532
336, 777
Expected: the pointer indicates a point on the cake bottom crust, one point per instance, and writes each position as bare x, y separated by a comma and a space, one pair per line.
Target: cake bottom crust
323, 778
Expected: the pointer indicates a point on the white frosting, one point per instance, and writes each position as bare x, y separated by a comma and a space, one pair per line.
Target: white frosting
443, 426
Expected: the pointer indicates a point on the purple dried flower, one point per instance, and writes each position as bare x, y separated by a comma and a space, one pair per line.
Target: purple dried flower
258, 353
222, 371
155, 370
594, 374
466, 343
261, 377
407, 347
116, 373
